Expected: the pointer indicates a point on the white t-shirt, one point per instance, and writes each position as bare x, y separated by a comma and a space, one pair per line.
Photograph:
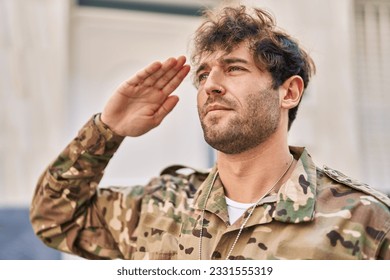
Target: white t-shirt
236, 209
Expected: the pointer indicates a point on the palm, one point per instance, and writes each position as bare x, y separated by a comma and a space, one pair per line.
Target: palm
143, 101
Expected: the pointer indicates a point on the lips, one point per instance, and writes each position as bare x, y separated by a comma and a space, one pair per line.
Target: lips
216, 107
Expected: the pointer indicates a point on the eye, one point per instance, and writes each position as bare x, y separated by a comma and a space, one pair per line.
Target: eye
235, 68
202, 76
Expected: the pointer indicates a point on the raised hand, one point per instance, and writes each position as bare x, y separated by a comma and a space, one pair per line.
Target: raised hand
143, 101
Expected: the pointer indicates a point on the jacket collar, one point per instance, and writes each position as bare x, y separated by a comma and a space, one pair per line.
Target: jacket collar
295, 200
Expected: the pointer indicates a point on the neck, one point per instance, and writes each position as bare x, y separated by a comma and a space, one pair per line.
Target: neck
249, 175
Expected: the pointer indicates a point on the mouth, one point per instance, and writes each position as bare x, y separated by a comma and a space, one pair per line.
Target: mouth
216, 107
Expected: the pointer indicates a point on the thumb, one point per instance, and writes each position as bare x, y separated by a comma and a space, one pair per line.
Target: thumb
166, 107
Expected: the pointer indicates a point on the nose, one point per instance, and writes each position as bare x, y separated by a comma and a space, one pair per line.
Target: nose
213, 84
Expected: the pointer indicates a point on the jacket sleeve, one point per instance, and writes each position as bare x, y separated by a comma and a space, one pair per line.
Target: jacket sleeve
384, 249
68, 211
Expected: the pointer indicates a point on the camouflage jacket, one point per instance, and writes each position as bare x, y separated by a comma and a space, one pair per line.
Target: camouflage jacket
316, 214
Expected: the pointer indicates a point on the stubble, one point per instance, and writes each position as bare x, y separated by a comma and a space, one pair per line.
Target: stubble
246, 128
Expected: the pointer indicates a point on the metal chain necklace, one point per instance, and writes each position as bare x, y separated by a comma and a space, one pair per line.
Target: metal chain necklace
246, 219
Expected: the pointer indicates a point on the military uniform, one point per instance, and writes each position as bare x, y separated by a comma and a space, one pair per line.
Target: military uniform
316, 214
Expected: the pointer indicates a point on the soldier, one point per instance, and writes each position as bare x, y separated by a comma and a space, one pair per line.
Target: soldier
263, 199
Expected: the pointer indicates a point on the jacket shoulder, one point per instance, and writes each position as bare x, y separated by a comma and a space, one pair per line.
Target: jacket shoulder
355, 184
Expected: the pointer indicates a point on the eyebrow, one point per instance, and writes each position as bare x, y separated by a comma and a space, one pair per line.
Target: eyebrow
201, 68
223, 61
234, 60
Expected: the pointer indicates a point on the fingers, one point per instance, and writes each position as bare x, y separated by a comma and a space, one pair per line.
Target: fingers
176, 80
163, 78
166, 108
148, 71
158, 74
139, 78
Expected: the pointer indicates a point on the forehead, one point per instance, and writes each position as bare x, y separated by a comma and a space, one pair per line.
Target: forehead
240, 53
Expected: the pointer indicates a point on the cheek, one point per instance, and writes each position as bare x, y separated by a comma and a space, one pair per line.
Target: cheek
201, 99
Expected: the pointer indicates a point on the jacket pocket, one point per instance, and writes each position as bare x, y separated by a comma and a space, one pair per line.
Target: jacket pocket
157, 238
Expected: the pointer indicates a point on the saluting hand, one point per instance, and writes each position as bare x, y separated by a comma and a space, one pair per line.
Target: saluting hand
143, 101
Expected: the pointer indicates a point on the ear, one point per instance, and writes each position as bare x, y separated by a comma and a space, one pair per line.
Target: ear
291, 92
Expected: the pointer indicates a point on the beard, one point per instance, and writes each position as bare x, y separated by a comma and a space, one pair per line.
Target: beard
242, 132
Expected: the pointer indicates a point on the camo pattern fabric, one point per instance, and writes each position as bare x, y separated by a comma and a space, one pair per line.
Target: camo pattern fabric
316, 214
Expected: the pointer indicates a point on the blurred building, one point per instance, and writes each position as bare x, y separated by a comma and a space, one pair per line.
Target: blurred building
60, 61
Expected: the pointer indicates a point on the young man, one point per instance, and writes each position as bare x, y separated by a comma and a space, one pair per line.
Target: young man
262, 200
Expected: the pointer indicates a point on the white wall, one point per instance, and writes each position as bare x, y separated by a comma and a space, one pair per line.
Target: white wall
33, 79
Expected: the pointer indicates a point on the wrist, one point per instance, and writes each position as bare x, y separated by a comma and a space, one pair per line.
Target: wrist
104, 129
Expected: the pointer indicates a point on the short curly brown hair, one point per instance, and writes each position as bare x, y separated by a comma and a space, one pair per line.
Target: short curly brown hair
273, 49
